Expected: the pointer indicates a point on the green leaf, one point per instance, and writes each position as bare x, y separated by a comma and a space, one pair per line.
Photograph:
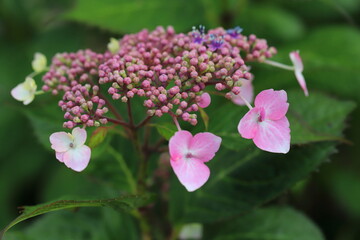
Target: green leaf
130, 16
131, 182
123, 203
166, 130
98, 136
270, 22
275, 223
85, 224
241, 181
317, 117
327, 66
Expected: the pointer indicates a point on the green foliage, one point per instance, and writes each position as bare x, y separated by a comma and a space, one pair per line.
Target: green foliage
270, 22
123, 203
241, 181
56, 226
275, 223
132, 16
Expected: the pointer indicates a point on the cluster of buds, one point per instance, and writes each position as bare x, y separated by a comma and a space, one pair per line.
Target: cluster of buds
82, 106
171, 71
68, 69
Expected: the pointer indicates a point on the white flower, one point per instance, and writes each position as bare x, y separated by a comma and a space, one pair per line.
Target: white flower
39, 62
113, 45
25, 91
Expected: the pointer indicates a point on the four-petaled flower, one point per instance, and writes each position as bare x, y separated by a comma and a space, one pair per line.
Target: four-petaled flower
188, 155
70, 148
299, 68
25, 91
266, 123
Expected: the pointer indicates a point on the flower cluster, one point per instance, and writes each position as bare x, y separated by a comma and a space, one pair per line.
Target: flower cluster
173, 73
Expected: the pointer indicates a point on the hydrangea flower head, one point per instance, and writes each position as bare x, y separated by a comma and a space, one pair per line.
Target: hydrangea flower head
299, 68
25, 91
188, 157
266, 123
70, 148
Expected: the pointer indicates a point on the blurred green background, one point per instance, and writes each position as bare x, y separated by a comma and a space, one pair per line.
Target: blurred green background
325, 31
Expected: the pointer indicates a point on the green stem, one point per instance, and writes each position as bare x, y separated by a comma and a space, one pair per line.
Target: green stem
279, 65
124, 168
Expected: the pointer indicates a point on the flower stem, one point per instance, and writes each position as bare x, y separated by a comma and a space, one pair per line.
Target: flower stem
246, 102
279, 65
119, 122
131, 118
177, 123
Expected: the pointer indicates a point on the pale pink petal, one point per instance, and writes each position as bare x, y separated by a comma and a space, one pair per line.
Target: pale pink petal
20, 93
246, 91
273, 136
179, 144
60, 141
205, 100
79, 135
299, 68
59, 156
300, 78
274, 103
203, 146
248, 125
296, 60
191, 172
77, 158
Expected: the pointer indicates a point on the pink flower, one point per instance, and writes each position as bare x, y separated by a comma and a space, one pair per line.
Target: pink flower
188, 155
246, 91
70, 148
299, 67
266, 123
205, 100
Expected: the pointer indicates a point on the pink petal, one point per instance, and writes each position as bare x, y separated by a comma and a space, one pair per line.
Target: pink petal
179, 144
300, 78
192, 172
273, 136
59, 156
205, 100
203, 146
60, 141
249, 124
296, 60
79, 135
274, 103
299, 67
77, 158
246, 91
